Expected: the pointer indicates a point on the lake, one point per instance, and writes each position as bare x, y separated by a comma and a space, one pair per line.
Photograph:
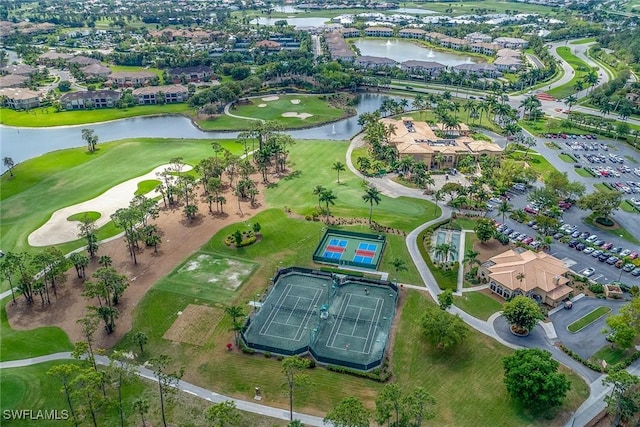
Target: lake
402, 50
296, 22
24, 143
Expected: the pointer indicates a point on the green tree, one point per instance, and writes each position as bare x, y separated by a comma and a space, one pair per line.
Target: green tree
350, 412
87, 228
9, 164
327, 197
140, 339
141, 406
293, 367
87, 390
417, 407
338, 167
522, 313
532, 377
389, 405
121, 374
223, 414
504, 208
80, 261
445, 299
601, 203
471, 257
398, 265
371, 196
90, 138
167, 381
442, 329
624, 401
485, 229
625, 325
317, 191
65, 373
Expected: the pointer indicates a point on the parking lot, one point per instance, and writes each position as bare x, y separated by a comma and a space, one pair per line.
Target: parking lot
577, 260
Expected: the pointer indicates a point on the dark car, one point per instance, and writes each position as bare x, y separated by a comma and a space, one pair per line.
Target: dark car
532, 223
599, 243
573, 243
603, 257
557, 236
580, 246
612, 260
615, 250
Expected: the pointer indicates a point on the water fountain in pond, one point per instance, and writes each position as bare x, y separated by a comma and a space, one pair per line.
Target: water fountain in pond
333, 129
389, 43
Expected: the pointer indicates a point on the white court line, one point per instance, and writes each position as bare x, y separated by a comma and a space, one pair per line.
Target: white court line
273, 313
345, 303
355, 324
379, 313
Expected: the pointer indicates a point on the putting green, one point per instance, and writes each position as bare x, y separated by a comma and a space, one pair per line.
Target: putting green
91, 215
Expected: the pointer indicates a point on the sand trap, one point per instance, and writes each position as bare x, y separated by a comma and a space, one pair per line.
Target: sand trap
295, 101
59, 230
270, 98
262, 105
301, 116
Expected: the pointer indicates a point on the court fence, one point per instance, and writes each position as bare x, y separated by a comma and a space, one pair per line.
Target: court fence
320, 258
309, 348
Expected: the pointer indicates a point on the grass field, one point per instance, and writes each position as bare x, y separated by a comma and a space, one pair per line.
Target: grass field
70, 176
320, 109
47, 117
617, 230
610, 354
588, 319
445, 279
627, 206
566, 158
535, 161
147, 186
92, 215
583, 172
24, 344
207, 276
584, 41
477, 304
463, 116
31, 388
477, 364
312, 161
580, 67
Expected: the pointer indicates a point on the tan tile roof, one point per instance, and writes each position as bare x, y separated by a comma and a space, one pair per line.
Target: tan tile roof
541, 271
18, 93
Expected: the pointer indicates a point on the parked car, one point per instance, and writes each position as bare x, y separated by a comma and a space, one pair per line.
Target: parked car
588, 250
612, 260
573, 243
580, 246
615, 250
636, 272
628, 267
625, 253
532, 223
528, 240
557, 236
596, 253
576, 234
588, 272
599, 242
619, 263
607, 246
603, 257
633, 255
592, 238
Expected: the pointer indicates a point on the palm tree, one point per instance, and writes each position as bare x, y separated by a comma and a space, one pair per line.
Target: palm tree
443, 250
339, 167
235, 312
398, 265
105, 261
370, 196
578, 86
504, 208
318, 190
437, 197
520, 277
571, 101
327, 197
471, 257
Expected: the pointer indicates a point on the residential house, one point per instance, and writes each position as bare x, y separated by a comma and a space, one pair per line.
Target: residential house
480, 70
412, 33
52, 57
478, 38
484, 48
508, 63
152, 94
18, 69
131, 78
369, 62
82, 61
268, 45
506, 52
198, 73
454, 43
350, 32
95, 71
13, 80
520, 271
378, 32
19, 98
512, 42
423, 67
90, 99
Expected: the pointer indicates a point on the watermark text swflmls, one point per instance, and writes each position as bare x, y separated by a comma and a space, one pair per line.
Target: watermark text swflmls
35, 414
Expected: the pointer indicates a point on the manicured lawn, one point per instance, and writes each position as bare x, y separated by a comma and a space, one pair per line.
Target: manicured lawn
465, 223
535, 161
588, 319
34, 342
611, 354
47, 117
600, 186
69, 176
566, 158
32, 388
580, 67
583, 172
463, 116
627, 206
321, 112
444, 279
548, 125
147, 186
92, 216
312, 163
475, 368
584, 41
616, 230
134, 68
477, 304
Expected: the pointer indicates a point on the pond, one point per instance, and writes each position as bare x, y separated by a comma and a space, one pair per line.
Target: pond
413, 11
24, 143
401, 50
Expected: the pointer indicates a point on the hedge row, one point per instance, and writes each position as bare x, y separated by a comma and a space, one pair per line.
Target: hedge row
381, 374
599, 368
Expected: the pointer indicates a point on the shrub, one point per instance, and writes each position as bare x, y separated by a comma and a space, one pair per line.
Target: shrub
267, 354
381, 374
596, 288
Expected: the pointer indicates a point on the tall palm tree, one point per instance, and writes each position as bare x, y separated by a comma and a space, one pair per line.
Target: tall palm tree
571, 101
338, 167
443, 250
471, 257
520, 278
398, 265
317, 191
370, 196
327, 197
504, 208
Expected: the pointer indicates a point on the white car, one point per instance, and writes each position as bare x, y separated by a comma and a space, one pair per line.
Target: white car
588, 272
588, 250
636, 202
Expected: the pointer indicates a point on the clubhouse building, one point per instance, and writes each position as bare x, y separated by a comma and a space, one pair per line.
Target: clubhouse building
520, 271
436, 145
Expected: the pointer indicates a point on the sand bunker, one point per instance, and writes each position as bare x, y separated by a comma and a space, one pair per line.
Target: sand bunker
262, 105
301, 116
59, 230
295, 101
270, 98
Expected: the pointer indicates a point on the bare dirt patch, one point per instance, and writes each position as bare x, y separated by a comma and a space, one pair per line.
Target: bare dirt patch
194, 325
180, 238
301, 116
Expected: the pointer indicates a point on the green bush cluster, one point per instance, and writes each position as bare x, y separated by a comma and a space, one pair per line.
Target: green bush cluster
596, 288
623, 364
248, 238
381, 374
576, 356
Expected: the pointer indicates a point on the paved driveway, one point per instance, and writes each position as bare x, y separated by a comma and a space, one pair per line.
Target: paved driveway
590, 339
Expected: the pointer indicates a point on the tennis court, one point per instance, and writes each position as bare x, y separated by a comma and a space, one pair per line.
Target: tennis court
339, 320
345, 248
